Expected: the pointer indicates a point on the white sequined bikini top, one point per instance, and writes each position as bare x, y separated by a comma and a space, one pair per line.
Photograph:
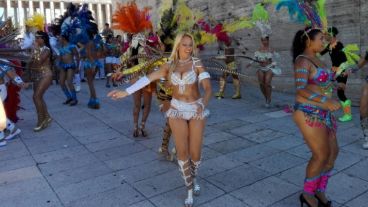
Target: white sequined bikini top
263, 56
187, 79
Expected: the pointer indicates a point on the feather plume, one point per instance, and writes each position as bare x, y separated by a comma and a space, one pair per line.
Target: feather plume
37, 21
185, 18
260, 19
129, 18
242, 23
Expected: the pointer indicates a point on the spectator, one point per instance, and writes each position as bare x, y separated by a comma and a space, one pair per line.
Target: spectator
107, 31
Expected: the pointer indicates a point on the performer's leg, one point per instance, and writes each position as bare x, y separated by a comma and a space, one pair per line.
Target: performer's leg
64, 87
196, 129
40, 88
180, 131
327, 172
69, 82
108, 70
222, 83
137, 96
268, 86
236, 83
345, 103
77, 82
102, 68
93, 101
318, 141
164, 149
261, 80
147, 99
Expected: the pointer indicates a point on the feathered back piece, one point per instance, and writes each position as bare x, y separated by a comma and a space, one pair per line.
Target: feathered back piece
295, 12
87, 23
241, 23
129, 18
260, 19
36, 21
167, 29
310, 12
7, 31
62, 25
8, 45
185, 18
77, 24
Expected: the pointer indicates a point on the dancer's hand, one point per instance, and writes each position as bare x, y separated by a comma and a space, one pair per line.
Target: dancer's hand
117, 94
165, 106
332, 105
24, 85
117, 76
200, 108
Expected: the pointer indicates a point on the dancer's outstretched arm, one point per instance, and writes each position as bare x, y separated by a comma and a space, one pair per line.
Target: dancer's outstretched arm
141, 83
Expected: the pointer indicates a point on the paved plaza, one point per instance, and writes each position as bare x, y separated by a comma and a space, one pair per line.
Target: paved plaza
252, 157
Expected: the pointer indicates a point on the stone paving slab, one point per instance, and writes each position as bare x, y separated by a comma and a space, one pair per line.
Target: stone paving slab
265, 192
238, 177
123, 195
252, 156
176, 197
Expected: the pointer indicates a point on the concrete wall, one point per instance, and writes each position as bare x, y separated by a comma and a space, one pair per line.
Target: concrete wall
350, 16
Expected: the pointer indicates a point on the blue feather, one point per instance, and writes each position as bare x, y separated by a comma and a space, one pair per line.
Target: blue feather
295, 12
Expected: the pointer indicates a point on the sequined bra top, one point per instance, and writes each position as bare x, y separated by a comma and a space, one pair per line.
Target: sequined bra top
263, 56
66, 49
323, 77
186, 79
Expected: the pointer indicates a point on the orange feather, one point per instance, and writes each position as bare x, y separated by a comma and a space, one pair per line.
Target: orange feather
129, 18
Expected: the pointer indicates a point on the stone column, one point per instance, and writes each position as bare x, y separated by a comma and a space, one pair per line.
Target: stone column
62, 7
30, 7
99, 16
108, 13
52, 10
7, 9
20, 14
42, 8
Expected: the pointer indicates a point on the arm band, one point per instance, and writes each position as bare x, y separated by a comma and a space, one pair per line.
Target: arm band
141, 83
203, 75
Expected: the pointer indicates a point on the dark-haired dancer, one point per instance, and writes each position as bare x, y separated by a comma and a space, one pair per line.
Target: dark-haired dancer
91, 66
266, 68
335, 49
110, 51
69, 60
313, 114
41, 75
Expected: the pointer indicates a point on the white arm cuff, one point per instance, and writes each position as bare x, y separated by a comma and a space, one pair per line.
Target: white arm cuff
203, 75
141, 83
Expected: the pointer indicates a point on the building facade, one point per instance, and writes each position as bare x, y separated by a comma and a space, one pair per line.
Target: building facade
19, 10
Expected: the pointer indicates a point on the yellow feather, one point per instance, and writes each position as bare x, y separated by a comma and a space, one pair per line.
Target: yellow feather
236, 25
36, 21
